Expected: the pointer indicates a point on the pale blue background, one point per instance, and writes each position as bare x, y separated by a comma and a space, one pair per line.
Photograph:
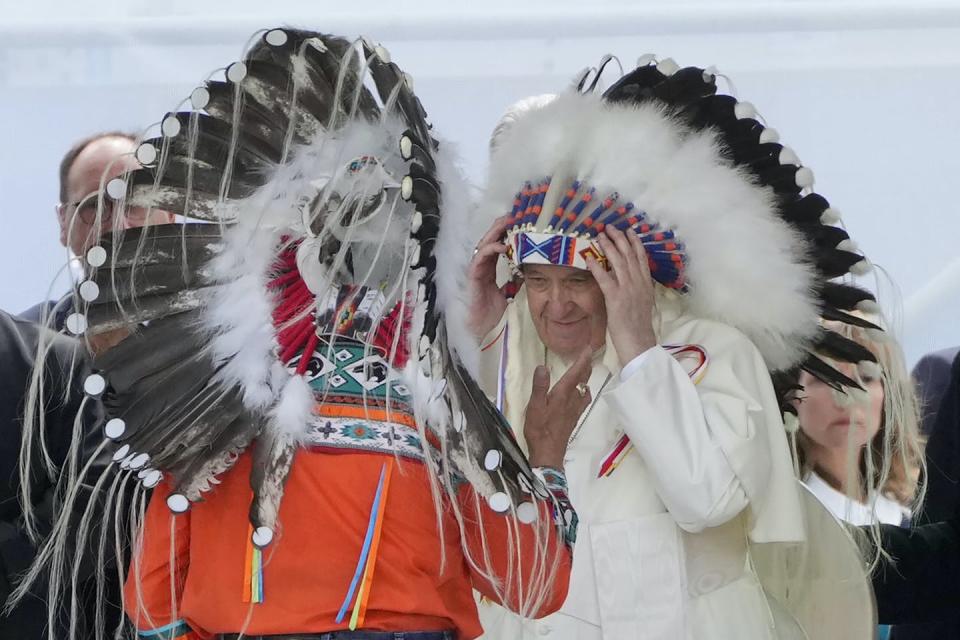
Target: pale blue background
867, 93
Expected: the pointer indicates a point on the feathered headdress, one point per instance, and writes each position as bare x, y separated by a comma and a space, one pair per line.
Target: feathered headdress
314, 197
727, 214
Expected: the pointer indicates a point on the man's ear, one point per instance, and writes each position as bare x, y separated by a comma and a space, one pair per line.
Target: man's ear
62, 222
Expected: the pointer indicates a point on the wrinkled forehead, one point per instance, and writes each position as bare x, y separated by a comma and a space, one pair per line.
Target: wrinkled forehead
555, 272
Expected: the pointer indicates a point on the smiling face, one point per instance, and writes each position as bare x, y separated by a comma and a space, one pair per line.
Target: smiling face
834, 421
567, 308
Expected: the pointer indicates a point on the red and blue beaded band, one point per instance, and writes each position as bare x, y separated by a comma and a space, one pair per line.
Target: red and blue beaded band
569, 235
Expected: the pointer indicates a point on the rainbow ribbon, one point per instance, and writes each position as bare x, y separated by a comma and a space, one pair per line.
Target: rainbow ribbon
623, 446
176, 630
368, 554
253, 577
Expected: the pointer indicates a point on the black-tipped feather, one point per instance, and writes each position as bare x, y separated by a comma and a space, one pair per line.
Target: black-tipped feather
690, 94
827, 374
835, 315
838, 347
826, 237
487, 430
844, 296
393, 90
685, 86
222, 100
806, 210
636, 86
132, 284
833, 263
166, 392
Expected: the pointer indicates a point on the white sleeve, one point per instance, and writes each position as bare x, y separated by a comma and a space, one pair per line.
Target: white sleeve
634, 365
700, 442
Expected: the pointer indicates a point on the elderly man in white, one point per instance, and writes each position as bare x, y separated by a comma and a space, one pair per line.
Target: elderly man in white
663, 519
680, 464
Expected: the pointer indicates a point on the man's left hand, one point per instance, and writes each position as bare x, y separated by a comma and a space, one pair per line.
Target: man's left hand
627, 291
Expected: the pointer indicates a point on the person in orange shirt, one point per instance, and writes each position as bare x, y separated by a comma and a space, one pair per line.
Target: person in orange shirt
423, 574
297, 388
360, 545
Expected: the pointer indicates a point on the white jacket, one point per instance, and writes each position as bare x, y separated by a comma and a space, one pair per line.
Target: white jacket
662, 548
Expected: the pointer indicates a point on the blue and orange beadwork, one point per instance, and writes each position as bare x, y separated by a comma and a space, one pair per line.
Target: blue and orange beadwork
569, 236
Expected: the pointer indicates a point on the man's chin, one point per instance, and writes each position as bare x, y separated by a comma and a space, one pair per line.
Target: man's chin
567, 348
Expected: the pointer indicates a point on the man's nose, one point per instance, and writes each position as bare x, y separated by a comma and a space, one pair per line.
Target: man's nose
559, 294
560, 302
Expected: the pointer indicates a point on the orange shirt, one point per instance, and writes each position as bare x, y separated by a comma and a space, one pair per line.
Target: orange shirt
309, 565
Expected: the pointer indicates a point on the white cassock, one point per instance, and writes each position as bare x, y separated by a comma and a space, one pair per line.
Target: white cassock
666, 525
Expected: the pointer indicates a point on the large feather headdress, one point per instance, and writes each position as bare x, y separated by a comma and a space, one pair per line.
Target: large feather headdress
727, 214
314, 199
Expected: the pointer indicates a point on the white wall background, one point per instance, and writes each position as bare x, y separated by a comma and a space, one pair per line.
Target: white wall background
867, 93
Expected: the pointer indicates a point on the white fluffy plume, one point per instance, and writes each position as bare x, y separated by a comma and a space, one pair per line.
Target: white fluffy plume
239, 315
454, 250
291, 415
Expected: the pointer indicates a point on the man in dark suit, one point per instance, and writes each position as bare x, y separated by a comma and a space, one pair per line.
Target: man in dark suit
938, 385
943, 445
63, 372
932, 377
923, 585
89, 162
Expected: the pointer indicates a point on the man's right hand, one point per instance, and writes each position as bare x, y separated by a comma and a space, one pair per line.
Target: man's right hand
552, 414
487, 301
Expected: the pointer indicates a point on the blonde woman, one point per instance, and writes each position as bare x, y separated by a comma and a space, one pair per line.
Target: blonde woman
860, 451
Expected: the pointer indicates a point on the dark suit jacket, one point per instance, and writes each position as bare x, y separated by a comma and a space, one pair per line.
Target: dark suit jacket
932, 377
37, 312
942, 501
943, 454
924, 583
64, 373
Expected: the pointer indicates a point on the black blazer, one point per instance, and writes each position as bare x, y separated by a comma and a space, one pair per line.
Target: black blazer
922, 597
64, 374
923, 585
943, 455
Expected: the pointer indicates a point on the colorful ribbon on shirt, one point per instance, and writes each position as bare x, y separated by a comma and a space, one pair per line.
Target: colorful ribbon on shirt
176, 630
681, 353
253, 576
366, 563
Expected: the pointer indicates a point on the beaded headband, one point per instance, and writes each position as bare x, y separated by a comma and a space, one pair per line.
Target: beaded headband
568, 236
